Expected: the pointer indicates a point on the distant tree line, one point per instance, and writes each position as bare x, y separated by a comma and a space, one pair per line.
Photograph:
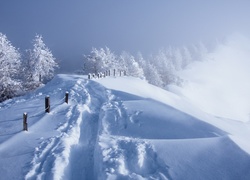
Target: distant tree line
160, 69
20, 73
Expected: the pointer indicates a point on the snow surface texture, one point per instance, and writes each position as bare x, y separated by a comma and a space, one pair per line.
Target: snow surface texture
118, 128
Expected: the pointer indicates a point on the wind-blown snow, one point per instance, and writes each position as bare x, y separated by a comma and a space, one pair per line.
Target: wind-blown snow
118, 128
220, 83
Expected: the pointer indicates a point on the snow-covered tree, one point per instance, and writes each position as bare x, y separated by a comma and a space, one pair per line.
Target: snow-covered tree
10, 61
187, 57
41, 63
110, 61
152, 75
165, 67
177, 59
141, 61
132, 67
100, 60
92, 62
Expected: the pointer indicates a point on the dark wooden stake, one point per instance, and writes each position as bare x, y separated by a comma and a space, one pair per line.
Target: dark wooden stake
67, 97
89, 76
47, 104
40, 78
114, 72
25, 124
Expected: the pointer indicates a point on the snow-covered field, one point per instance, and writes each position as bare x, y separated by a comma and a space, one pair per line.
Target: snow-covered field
118, 128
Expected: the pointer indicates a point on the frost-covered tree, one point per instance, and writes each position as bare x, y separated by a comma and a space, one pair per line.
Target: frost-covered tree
187, 57
152, 75
131, 67
91, 63
177, 59
10, 61
100, 60
164, 64
41, 63
110, 61
103, 59
141, 61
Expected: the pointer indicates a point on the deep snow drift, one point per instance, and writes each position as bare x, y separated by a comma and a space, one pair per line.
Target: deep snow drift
118, 128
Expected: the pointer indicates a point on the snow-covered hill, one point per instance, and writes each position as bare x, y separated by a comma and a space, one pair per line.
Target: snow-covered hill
118, 128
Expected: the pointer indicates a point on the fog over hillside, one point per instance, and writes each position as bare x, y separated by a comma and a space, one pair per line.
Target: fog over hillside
219, 84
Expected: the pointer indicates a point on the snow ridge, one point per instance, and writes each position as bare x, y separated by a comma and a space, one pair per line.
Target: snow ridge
109, 130
133, 158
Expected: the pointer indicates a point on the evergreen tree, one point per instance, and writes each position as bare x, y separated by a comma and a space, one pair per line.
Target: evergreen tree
10, 61
132, 67
165, 67
41, 63
100, 60
187, 57
177, 59
152, 75
141, 61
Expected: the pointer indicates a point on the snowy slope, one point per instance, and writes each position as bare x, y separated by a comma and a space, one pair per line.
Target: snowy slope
118, 128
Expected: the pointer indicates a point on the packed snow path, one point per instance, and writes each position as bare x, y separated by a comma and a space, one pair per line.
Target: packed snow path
117, 128
73, 150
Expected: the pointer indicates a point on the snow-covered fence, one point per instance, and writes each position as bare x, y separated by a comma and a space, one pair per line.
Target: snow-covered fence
47, 109
122, 73
107, 73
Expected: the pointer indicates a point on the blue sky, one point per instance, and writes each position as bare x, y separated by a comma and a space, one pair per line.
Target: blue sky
71, 28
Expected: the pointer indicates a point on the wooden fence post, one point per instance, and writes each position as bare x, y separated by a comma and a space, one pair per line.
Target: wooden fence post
114, 72
40, 78
67, 97
47, 104
89, 76
25, 124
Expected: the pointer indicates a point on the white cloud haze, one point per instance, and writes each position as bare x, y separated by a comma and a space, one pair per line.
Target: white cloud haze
220, 84
72, 28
